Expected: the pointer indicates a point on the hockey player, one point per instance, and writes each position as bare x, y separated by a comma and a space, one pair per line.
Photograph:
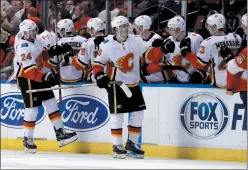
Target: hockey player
89, 48
68, 73
142, 26
29, 76
209, 53
177, 30
237, 73
123, 51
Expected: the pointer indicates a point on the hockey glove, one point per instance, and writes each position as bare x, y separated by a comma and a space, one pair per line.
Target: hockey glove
51, 78
185, 46
102, 80
168, 46
157, 43
98, 41
226, 53
67, 53
55, 50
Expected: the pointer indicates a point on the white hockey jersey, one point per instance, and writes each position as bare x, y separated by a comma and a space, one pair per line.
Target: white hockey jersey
70, 73
176, 58
87, 55
125, 56
209, 53
28, 60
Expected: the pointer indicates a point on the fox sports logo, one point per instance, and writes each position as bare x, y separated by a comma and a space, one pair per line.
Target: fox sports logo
204, 115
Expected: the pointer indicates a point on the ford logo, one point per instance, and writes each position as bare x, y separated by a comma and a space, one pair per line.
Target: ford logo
82, 113
13, 110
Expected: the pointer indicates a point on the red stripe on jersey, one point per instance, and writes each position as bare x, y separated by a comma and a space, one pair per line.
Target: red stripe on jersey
33, 73
97, 68
195, 62
153, 68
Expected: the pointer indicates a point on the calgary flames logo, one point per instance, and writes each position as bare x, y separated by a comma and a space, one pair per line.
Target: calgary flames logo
126, 63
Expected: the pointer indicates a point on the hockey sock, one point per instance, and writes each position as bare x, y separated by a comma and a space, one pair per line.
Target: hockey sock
29, 121
53, 113
116, 121
134, 125
133, 133
56, 120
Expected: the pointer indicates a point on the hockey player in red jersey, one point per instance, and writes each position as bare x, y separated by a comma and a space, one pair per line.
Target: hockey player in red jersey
237, 73
27, 65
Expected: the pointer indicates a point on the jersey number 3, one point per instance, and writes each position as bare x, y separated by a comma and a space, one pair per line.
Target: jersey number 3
26, 57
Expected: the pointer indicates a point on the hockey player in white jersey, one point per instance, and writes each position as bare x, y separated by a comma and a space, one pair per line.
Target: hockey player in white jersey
29, 76
123, 51
209, 53
68, 73
177, 30
142, 26
89, 48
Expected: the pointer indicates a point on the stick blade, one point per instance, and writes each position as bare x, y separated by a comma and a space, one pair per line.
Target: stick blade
125, 89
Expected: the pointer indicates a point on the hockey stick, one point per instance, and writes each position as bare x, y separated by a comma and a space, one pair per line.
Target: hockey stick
123, 86
56, 36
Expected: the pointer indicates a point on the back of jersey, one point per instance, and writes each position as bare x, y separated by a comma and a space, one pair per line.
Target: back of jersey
75, 42
210, 53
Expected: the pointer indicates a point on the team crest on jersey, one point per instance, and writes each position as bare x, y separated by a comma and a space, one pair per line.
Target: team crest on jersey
126, 63
24, 45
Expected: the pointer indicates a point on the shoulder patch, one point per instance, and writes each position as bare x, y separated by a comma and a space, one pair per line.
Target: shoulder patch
24, 45
105, 41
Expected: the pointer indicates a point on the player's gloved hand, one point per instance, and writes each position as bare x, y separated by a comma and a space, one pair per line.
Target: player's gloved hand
98, 40
51, 78
67, 52
55, 50
102, 80
185, 46
157, 43
226, 53
168, 46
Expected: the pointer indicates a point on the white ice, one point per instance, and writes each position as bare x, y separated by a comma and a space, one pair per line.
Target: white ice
46, 160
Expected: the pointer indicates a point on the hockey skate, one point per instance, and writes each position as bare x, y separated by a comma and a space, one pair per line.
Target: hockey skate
119, 152
133, 150
29, 146
64, 138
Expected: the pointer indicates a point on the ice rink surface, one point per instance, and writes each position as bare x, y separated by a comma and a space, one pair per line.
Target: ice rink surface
46, 160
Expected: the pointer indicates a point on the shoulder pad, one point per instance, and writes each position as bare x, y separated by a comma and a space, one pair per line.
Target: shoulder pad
24, 45
105, 41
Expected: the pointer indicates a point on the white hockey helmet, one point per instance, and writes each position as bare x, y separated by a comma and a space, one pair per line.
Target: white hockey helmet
244, 20
144, 21
65, 26
176, 22
95, 23
118, 21
28, 28
216, 19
